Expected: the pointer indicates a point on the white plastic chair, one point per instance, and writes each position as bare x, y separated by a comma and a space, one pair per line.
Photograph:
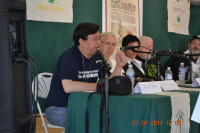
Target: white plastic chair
44, 81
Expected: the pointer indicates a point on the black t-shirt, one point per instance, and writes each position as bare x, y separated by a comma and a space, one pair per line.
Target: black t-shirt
74, 66
174, 64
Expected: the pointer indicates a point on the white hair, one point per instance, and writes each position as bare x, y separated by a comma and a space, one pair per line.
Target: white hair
143, 39
107, 34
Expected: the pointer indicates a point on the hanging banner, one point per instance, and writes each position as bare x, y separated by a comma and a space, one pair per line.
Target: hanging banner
50, 10
178, 16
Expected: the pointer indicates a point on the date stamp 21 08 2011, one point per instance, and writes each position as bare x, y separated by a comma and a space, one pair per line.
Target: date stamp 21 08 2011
156, 122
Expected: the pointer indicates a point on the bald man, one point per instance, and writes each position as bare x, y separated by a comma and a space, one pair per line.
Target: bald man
146, 44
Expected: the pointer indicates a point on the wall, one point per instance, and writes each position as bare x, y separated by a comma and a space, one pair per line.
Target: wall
155, 26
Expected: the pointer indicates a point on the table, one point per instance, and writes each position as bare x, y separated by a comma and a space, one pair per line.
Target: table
127, 114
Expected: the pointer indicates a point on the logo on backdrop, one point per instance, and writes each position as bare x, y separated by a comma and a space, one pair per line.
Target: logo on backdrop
51, 1
50, 10
178, 16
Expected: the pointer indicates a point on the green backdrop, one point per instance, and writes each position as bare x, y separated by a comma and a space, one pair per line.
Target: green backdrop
155, 25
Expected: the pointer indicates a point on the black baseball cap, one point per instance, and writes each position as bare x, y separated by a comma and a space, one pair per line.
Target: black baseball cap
195, 37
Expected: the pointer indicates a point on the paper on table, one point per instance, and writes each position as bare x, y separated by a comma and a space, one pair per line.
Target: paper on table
168, 85
88, 91
196, 115
196, 82
147, 87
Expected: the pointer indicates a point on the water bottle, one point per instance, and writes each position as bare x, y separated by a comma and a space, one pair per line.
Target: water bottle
168, 74
198, 67
181, 74
131, 74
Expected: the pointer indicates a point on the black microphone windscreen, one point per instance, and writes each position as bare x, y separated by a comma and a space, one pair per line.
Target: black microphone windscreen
129, 47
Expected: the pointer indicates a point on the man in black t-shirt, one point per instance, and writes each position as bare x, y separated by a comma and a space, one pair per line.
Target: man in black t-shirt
174, 62
77, 70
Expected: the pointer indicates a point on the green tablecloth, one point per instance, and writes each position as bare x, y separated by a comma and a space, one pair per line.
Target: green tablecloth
123, 110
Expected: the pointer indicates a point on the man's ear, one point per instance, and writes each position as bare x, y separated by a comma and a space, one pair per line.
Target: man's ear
81, 41
189, 45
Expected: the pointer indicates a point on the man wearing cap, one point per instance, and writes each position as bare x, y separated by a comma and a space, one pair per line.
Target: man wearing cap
174, 62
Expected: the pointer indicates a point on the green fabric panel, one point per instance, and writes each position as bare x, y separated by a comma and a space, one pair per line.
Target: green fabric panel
155, 19
48, 40
121, 114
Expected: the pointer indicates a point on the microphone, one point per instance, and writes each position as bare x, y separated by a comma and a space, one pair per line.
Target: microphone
107, 65
130, 47
133, 48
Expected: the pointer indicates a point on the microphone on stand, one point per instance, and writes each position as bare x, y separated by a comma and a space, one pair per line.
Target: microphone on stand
107, 65
130, 47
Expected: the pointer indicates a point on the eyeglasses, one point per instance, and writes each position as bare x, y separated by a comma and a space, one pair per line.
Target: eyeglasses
109, 43
194, 43
94, 38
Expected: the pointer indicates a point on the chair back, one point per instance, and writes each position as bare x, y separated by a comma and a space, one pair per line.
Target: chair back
44, 82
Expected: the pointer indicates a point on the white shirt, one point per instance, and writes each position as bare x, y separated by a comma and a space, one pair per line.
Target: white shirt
194, 65
137, 63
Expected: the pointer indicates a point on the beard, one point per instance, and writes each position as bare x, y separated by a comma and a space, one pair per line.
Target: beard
146, 56
195, 51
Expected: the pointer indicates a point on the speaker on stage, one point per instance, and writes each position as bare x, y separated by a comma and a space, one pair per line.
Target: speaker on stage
15, 89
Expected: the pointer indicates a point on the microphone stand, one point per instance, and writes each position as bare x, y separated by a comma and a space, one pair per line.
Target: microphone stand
158, 56
174, 53
190, 70
105, 68
160, 53
158, 66
107, 102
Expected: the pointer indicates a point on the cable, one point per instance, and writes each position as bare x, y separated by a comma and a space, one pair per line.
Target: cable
35, 91
147, 48
18, 60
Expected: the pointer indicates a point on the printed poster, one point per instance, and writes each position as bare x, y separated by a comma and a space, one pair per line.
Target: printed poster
122, 18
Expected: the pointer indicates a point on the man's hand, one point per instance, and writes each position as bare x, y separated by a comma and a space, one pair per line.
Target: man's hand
120, 58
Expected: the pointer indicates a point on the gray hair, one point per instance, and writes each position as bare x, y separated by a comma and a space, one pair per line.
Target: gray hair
107, 34
143, 39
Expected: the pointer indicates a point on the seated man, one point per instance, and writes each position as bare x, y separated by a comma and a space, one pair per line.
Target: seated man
77, 70
138, 66
174, 62
108, 44
146, 44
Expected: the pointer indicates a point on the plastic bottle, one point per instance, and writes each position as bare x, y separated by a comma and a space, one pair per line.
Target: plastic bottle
181, 74
197, 67
168, 74
131, 74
